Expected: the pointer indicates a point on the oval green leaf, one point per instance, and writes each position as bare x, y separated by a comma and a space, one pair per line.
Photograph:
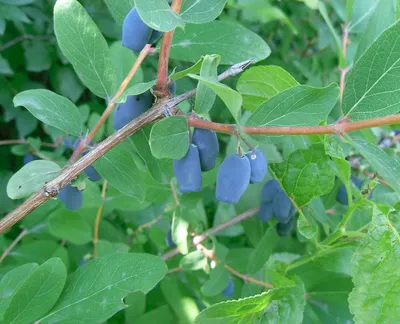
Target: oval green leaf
85, 47
238, 43
52, 109
31, 178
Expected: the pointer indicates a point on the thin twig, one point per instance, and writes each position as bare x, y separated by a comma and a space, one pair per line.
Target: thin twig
13, 244
21, 141
22, 38
373, 176
146, 225
162, 77
173, 270
71, 171
112, 104
343, 71
98, 218
201, 237
174, 193
209, 254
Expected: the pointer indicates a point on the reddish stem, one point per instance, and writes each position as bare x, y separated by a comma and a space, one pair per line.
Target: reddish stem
337, 128
162, 77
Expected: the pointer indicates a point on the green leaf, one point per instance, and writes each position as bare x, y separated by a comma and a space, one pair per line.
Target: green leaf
306, 227
68, 225
119, 9
13, 13
372, 87
135, 90
194, 69
290, 308
158, 15
238, 43
201, 11
324, 14
85, 47
119, 169
260, 83
123, 59
376, 25
386, 166
263, 250
5, 67
219, 279
246, 310
360, 12
205, 97
37, 56
95, 291
306, 174
224, 213
169, 138
31, 178
65, 82
179, 231
195, 260
11, 282
51, 109
104, 247
296, 106
375, 271
231, 98
38, 294
160, 169
181, 303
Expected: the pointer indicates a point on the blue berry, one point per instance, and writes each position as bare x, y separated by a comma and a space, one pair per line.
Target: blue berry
266, 211
269, 191
135, 33
71, 197
28, 158
284, 229
233, 178
282, 207
207, 144
258, 164
188, 171
132, 108
229, 289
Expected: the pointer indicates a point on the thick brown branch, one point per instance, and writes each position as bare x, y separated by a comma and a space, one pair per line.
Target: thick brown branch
112, 104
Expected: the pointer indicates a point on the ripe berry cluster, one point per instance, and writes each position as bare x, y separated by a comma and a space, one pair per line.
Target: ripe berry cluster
275, 203
234, 174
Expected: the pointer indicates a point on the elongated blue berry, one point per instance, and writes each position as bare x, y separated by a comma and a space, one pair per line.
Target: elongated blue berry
188, 171
28, 158
71, 197
155, 36
92, 174
269, 191
266, 211
135, 33
131, 109
233, 178
168, 240
258, 164
207, 144
172, 88
229, 289
282, 207
284, 229
90, 171
341, 196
